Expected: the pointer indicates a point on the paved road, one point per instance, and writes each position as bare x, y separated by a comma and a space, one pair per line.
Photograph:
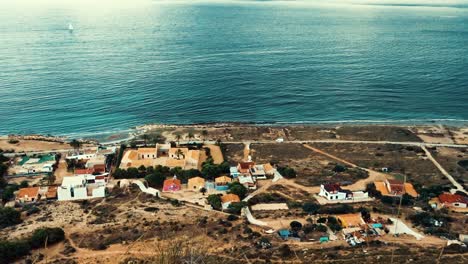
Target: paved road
457, 185
339, 141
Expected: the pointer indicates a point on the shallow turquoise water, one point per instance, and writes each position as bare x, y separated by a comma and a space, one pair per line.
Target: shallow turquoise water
127, 65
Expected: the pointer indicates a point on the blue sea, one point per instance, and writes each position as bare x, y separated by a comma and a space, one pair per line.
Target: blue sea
129, 63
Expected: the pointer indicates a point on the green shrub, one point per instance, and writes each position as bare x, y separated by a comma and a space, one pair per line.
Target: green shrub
11, 250
9, 217
49, 235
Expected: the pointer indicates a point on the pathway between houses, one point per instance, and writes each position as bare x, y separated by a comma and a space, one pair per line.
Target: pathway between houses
457, 185
361, 184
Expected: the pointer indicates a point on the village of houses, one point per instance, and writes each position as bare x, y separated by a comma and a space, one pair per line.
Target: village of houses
264, 194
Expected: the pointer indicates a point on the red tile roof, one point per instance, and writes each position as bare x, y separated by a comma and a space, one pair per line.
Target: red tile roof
100, 168
452, 198
246, 165
84, 171
332, 187
30, 192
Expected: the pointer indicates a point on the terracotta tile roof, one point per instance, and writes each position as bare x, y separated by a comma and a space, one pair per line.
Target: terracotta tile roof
409, 189
246, 165
351, 220
172, 185
267, 167
51, 192
84, 171
100, 167
452, 198
175, 163
395, 182
223, 179
196, 181
332, 187
380, 186
230, 198
132, 155
28, 192
146, 150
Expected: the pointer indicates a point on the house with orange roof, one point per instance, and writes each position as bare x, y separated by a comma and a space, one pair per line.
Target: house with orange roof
28, 195
244, 167
196, 183
222, 183
448, 200
161, 154
392, 187
228, 199
172, 185
350, 220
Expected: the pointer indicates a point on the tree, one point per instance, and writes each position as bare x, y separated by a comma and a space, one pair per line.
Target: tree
9, 217
8, 192
24, 184
287, 172
295, 226
310, 208
178, 137
155, 179
215, 201
49, 235
50, 178
203, 190
12, 250
238, 189
204, 134
179, 153
190, 135
75, 144
339, 168
235, 208
145, 138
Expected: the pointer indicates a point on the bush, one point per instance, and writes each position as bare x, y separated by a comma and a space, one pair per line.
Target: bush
238, 189
295, 226
336, 209
287, 172
9, 217
310, 208
232, 217
11, 250
13, 141
235, 208
339, 168
49, 235
215, 201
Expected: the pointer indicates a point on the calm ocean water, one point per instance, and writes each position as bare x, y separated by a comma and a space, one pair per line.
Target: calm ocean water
146, 62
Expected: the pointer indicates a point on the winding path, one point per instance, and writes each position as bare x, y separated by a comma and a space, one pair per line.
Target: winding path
457, 185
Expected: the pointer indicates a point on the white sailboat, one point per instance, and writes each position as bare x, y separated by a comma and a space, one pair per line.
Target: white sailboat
70, 27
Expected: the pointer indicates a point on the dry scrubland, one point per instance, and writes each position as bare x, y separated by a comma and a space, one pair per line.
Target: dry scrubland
131, 227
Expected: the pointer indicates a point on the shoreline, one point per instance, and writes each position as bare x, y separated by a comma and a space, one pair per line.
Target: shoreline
124, 135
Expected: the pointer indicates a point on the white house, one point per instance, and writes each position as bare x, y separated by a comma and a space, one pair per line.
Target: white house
333, 191
258, 172
234, 172
248, 182
80, 187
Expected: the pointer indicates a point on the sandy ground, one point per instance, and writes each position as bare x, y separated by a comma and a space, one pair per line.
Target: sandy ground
361, 184
216, 153
270, 207
61, 171
33, 145
460, 135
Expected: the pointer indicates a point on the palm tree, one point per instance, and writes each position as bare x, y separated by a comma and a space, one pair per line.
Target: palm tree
179, 152
145, 137
178, 137
204, 134
75, 144
190, 136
